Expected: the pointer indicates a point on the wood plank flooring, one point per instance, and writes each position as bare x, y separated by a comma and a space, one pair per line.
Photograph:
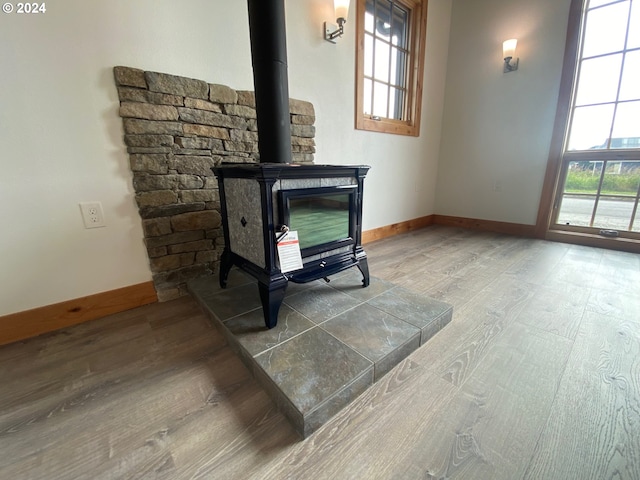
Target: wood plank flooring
536, 377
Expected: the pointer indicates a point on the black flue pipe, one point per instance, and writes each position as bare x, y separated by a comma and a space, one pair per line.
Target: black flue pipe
269, 58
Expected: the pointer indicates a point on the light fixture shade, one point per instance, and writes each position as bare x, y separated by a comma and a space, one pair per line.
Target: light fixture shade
342, 8
509, 48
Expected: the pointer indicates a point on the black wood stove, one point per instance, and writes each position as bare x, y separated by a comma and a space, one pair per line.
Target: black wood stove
322, 202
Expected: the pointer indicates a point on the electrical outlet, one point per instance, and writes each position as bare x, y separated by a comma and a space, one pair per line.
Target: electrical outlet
92, 214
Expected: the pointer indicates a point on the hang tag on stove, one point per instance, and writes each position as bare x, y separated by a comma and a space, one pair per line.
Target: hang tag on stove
289, 252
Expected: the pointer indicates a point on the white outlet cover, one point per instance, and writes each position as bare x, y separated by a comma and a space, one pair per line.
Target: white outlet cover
92, 214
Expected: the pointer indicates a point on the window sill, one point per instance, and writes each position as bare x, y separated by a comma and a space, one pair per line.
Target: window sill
593, 240
387, 126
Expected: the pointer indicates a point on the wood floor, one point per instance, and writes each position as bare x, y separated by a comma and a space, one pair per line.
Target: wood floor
536, 377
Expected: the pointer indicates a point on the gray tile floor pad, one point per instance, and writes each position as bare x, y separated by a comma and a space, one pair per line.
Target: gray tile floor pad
332, 341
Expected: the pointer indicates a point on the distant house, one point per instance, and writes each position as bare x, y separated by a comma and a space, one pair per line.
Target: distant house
620, 142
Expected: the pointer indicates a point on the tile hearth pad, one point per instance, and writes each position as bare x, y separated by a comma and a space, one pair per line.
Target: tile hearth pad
332, 341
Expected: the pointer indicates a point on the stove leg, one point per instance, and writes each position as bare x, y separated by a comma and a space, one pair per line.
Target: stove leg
225, 267
271, 297
363, 266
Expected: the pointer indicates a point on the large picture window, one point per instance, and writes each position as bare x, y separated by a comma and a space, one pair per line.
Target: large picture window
390, 65
606, 104
597, 184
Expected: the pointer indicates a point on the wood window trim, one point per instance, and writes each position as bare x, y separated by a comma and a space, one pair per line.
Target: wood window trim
417, 35
554, 163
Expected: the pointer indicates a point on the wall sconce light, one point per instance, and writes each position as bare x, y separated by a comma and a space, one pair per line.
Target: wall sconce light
508, 52
332, 31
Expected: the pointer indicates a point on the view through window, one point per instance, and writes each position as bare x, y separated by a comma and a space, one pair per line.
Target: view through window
386, 50
601, 160
390, 65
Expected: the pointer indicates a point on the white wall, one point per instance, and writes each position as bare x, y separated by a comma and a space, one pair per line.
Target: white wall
497, 127
401, 183
61, 136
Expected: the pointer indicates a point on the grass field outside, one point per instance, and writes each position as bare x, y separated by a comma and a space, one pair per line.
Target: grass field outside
586, 182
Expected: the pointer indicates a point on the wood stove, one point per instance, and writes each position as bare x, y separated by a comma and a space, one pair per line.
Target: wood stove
322, 202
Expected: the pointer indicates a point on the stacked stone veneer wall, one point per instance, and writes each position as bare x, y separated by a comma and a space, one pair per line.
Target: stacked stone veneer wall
175, 130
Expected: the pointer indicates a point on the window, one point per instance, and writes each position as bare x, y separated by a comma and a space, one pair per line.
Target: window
598, 162
606, 104
390, 65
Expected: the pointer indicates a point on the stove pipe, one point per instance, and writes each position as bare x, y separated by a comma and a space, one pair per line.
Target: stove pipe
269, 58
